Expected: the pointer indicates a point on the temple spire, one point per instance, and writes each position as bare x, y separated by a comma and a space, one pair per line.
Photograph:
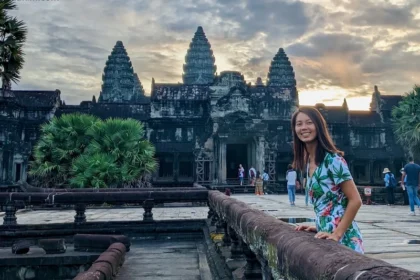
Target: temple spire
118, 77
199, 67
281, 72
94, 99
345, 106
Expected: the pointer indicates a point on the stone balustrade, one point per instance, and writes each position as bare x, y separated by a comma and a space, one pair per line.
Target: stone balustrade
147, 199
274, 250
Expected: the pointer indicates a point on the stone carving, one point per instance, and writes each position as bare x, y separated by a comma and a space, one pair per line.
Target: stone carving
281, 72
199, 67
120, 83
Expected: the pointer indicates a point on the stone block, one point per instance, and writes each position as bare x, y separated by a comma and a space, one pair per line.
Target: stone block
98, 242
90, 275
21, 247
53, 246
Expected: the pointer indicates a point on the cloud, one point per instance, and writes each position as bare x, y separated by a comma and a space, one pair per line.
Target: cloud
342, 44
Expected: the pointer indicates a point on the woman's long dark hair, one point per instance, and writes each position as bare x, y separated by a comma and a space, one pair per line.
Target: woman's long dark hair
325, 143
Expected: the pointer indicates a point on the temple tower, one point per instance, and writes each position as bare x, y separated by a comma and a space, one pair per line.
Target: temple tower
119, 83
199, 67
281, 72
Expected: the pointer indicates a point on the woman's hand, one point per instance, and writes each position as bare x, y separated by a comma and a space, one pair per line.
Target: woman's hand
306, 228
326, 235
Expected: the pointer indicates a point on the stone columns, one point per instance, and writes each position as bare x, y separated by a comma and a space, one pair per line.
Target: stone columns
147, 206
371, 174
260, 154
222, 160
10, 214
80, 213
176, 167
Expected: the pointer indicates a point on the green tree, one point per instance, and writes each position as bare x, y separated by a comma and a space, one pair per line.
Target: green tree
406, 122
12, 37
84, 151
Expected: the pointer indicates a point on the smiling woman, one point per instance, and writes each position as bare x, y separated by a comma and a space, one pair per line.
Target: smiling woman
328, 180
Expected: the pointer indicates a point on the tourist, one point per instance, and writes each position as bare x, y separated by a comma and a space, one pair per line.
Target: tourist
259, 184
404, 189
390, 184
291, 177
241, 172
306, 189
265, 178
252, 173
412, 172
330, 185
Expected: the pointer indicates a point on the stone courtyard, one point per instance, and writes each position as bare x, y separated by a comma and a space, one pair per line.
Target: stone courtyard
390, 234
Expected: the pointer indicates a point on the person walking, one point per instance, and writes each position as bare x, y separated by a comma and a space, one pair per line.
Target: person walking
412, 172
291, 177
265, 178
404, 189
241, 172
252, 173
331, 188
390, 184
259, 184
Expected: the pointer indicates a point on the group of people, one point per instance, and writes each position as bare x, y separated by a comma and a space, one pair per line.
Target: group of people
410, 182
256, 179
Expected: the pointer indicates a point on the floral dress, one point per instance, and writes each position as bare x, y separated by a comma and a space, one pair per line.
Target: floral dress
329, 200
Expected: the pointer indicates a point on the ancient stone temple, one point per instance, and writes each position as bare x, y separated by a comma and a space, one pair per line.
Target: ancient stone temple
206, 126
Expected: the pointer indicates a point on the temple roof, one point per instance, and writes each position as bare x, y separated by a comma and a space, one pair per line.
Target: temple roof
281, 71
37, 98
365, 119
199, 67
118, 81
390, 101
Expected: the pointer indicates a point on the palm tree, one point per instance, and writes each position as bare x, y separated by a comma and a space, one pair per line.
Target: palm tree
406, 122
84, 151
12, 37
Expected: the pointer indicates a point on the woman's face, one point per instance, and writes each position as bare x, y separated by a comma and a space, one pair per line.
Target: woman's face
305, 128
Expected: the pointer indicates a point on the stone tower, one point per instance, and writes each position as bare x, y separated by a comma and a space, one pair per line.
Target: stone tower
199, 67
119, 83
281, 72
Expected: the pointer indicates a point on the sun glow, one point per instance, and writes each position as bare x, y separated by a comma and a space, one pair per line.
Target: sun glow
333, 96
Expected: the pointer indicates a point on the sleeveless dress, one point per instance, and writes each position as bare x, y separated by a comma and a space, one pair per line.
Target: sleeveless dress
329, 200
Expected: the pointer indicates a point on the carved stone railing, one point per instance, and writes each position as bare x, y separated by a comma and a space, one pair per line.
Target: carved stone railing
274, 250
147, 199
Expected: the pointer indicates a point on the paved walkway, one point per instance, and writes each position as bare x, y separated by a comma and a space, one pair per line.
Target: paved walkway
386, 230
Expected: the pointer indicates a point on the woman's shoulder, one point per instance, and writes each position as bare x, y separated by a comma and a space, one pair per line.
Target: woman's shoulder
334, 159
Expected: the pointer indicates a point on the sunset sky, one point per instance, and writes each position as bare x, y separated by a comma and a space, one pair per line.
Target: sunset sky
338, 48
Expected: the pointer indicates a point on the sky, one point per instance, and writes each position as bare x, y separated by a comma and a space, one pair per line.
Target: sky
338, 48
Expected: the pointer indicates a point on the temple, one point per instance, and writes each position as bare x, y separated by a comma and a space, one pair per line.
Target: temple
206, 126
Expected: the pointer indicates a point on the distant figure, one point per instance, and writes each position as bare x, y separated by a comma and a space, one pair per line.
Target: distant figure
403, 183
259, 184
241, 172
252, 174
291, 177
412, 172
265, 178
390, 184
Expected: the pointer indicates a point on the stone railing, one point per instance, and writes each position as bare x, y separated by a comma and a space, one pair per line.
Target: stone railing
147, 199
274, 250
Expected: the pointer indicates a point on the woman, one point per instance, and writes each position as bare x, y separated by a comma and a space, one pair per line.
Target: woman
241, 172
329, 182
388, 176
259, 184
291, 177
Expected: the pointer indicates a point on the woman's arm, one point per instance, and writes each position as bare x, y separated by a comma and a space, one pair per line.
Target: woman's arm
354, 203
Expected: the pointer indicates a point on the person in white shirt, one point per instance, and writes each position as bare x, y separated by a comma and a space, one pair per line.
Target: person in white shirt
291, 177
252, 173
241, 172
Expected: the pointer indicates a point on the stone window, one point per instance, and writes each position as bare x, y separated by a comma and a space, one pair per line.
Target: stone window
190, 133
18, 171
178, 134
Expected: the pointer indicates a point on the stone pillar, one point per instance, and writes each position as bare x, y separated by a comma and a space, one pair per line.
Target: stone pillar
260, 154
176, 167
370, 168
222, 160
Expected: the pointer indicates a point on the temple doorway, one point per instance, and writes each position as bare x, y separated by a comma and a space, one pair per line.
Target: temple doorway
235, 154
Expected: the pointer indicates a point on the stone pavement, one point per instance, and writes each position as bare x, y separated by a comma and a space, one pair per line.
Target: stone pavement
386, 230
